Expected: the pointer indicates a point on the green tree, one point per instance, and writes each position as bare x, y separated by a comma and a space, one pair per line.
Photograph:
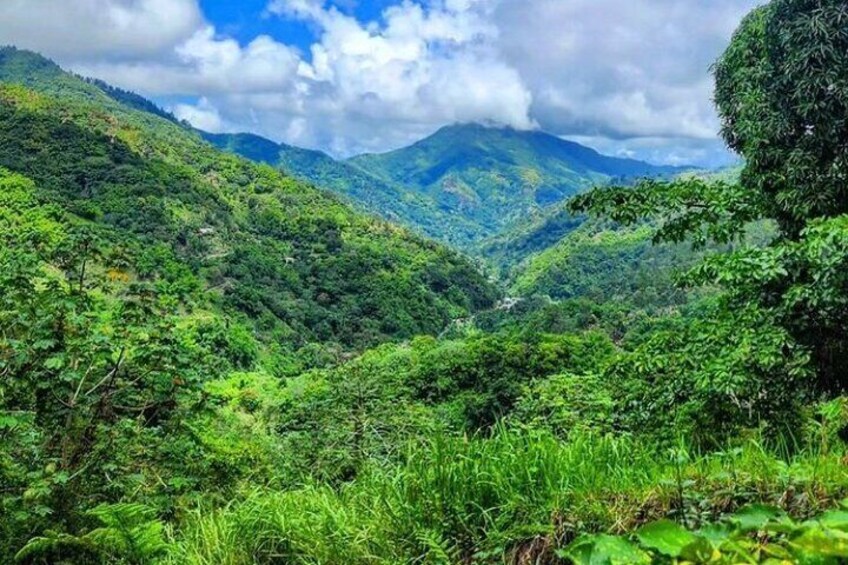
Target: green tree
782, 93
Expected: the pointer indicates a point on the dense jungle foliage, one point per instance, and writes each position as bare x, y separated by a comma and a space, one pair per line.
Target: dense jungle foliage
203, 361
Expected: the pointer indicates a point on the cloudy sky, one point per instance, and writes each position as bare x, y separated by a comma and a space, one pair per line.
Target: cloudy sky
629, 77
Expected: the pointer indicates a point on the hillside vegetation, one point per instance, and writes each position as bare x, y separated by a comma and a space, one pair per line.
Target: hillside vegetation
460, 185
205, 362
139, 263
292, 259
387, 200
497, 176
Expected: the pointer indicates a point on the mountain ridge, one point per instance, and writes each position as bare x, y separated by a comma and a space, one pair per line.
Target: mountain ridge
480, 128
463, 184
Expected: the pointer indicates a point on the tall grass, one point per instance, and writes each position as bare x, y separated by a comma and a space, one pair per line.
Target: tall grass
457, 500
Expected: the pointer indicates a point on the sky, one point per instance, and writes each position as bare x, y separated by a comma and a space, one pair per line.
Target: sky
627, 77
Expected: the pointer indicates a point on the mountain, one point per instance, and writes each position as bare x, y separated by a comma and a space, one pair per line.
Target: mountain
139, 268
496, 177
365, 191
295, 263
248, 145
461, 185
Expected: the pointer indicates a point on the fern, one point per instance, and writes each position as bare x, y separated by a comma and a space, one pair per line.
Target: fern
129, 533
129, 530
54, 543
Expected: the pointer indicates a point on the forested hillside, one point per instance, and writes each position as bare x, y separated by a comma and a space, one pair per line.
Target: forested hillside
565, 255
203, 361
293, 260
470, 149
139, 263
496, 177
391, 201
462, 184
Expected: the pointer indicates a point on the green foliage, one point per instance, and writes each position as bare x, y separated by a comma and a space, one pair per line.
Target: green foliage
755, 534
607, 265
778, 93
516, 497
92, 373
460, 185
540, 314
604, 550
532, 236
708, 376
802, 283
137, 264
247, 145
129, 533
383, 198
496, 177
565, 404
290, 258
690, 208
369, 409
203, 361
131, 99
494, 367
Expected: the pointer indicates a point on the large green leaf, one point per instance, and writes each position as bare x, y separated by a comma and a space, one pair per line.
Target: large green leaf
835, 519
755, 517
716, 534
666, 537
604, 550
822, 543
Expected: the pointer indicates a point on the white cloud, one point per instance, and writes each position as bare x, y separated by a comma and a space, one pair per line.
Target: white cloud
204, 64
365, 87
109, 28
419, 69
620, 68
202, 115
630, 74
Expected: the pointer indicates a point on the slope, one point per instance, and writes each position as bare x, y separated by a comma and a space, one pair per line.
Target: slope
296, 262
462, 185
566, 257
496, 177
363, 190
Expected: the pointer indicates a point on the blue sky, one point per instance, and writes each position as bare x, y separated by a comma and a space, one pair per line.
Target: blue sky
246, 19
628, 77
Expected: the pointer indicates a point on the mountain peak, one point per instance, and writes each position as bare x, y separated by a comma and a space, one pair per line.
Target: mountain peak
480, 128
495, 175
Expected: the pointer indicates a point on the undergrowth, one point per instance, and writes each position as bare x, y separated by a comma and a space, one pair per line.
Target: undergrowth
519, 497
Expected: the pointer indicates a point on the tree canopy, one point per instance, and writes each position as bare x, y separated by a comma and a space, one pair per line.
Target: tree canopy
782, 93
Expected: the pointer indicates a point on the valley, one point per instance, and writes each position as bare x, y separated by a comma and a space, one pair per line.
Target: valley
492, 346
